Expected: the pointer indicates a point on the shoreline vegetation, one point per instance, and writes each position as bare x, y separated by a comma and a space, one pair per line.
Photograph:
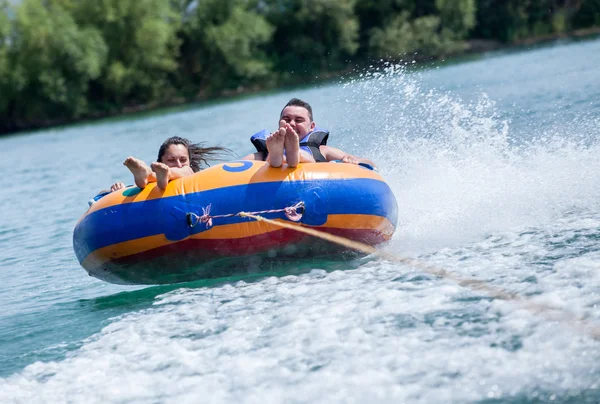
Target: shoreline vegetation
69, 61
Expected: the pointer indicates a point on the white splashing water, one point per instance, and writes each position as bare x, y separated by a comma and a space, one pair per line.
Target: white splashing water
457, 172
345, 337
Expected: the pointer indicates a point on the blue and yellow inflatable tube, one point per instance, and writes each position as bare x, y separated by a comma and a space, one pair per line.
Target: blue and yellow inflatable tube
153, 236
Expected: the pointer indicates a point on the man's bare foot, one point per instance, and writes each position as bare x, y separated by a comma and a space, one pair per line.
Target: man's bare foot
275, 142
292, 146
162, 174
139, 169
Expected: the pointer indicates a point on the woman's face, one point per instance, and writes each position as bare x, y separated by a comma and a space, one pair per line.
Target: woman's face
176, 156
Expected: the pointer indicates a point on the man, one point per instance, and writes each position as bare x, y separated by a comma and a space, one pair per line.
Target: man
297, 141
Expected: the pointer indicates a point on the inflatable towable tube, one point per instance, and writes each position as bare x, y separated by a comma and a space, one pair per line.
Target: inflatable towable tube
190, 230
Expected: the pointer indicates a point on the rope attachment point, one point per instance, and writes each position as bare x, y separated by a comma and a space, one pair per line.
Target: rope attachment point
293, 213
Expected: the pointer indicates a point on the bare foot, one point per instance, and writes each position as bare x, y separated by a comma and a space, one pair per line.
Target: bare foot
275, 143
139, 169
292, 146
162, 174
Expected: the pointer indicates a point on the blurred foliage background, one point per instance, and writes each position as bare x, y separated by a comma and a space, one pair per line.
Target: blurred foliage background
63, 60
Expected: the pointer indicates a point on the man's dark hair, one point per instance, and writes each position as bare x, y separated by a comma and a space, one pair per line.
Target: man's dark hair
296, 102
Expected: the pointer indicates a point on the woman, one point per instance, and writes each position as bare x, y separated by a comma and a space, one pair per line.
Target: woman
177, 157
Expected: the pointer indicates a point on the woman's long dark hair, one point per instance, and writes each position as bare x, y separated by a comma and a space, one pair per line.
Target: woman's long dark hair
197, 153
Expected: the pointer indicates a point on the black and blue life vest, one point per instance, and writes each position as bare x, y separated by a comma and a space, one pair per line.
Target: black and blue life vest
310, 143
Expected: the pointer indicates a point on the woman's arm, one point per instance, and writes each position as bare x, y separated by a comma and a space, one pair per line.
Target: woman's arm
116, 186
180, 172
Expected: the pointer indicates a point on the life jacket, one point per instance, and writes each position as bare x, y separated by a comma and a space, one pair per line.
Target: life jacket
310, 143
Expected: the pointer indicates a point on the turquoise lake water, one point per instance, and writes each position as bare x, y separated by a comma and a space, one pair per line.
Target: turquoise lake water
495, 163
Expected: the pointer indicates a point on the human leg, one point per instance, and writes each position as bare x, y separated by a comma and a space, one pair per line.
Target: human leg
306, 157
139, 169
292, 146
161, 171
275, 145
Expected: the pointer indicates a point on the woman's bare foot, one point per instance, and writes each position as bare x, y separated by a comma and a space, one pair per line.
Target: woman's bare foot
292, 146
162, 174
139, 169
275, 143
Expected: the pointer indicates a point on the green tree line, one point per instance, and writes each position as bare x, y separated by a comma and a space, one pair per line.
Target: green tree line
63, 60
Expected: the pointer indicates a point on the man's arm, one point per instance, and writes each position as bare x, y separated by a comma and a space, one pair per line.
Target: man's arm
331, 153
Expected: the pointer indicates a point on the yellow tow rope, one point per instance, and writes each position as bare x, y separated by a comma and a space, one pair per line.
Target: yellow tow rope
551, 313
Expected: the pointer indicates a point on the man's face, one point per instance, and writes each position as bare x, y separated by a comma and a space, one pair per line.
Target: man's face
299, 120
